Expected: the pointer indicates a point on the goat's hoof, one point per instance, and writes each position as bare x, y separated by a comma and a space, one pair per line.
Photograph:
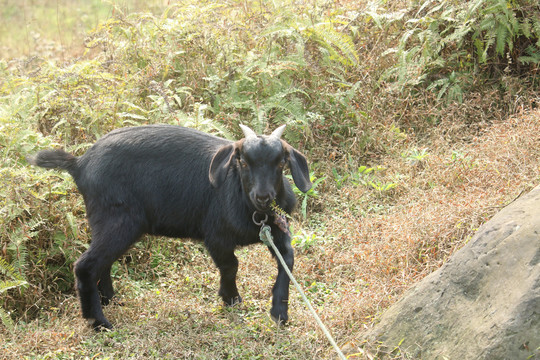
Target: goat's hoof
112, 301
100, 325
279, 319
105, 300
234, 301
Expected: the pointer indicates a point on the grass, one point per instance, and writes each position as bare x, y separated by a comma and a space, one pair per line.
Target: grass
404, 179
55, 28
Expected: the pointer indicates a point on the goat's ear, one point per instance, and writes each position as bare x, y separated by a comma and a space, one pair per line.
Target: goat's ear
299, 168
221, 162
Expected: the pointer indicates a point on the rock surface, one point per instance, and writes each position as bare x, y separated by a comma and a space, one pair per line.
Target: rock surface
484, 303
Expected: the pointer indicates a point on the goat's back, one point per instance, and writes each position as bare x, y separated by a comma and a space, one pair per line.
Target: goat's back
157, 172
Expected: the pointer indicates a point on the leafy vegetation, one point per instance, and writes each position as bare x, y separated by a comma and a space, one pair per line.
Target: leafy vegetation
445, 42
413, 115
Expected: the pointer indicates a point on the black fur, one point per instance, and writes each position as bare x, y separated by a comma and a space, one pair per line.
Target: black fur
178, 182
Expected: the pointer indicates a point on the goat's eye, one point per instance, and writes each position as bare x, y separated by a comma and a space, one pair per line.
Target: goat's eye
243, 163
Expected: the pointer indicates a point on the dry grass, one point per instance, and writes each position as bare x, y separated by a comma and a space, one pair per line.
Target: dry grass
439, 207
367, 249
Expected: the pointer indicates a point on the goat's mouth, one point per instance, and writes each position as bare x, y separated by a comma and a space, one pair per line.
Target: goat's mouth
262, 207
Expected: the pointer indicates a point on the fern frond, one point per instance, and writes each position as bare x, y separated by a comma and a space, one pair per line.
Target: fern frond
8, 270
6, 319
532, 57
526, 28
474, 6
5, 285
502, 39
536, 30
327, 36
285, 104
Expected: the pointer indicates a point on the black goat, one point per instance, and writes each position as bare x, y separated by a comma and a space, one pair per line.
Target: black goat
179, 182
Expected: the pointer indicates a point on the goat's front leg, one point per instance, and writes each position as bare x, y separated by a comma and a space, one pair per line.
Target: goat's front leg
227, 264
280, 292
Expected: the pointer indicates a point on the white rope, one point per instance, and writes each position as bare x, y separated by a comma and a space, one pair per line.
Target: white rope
266, 237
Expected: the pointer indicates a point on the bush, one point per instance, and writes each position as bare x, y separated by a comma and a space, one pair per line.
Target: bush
450, 46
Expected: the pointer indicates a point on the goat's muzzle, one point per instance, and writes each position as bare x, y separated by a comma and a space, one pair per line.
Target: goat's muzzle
262, 202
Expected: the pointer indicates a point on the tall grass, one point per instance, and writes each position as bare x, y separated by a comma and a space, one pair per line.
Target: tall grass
450, 47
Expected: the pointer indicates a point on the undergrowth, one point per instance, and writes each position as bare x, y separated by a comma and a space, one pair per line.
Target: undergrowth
397, 106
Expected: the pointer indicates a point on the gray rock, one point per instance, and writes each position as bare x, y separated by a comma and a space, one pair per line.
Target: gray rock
484, 303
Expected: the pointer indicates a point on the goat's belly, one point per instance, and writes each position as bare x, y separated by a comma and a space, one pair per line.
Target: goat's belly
176, 231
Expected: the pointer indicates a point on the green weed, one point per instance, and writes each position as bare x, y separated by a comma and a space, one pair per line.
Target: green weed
13, 280
311, 193
306, 240
416, 156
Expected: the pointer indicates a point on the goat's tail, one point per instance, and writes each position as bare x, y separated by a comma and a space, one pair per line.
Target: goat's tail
54, 159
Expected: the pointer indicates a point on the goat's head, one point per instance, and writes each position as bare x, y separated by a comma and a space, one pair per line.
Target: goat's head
260, 160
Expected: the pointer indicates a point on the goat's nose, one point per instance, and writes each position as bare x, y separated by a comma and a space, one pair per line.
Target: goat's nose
263, 200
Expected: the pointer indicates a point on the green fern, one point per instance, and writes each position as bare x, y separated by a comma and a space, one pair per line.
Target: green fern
532, 57
339, 45
444, 41
9, 270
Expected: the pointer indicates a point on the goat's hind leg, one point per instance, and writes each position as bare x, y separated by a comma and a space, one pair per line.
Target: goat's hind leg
108, 244
87, 270
105, 287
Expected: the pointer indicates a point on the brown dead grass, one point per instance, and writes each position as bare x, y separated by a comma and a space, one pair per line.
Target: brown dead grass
438, 208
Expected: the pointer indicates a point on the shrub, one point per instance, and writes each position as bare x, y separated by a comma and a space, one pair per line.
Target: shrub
447, 46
